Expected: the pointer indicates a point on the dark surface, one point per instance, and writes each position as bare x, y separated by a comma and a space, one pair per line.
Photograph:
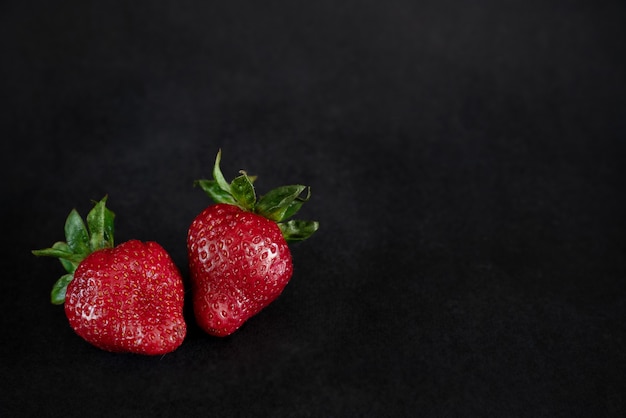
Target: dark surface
467, 167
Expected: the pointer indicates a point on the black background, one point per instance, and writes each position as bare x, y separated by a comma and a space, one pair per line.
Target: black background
466, 161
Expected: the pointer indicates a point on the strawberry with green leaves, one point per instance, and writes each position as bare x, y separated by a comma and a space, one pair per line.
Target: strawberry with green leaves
125, 298
238, 251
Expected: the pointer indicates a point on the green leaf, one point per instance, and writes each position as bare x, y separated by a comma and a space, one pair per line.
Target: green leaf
58, 253
295, 206
291, 210
217, 173
295, 230
277, 205
243, 191
279, 202
68, 265
57, 296
100, 223
76, 233
215, 192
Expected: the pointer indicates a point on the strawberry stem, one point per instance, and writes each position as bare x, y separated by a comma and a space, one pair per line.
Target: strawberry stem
80, 241
278, 204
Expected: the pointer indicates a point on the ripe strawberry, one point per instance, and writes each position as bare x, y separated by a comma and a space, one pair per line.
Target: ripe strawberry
238, 255
127, 298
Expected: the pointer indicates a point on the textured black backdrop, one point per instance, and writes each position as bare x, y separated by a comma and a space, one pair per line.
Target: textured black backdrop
467, 167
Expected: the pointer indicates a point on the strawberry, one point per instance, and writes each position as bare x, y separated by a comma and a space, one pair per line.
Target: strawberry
125, 298
239, 259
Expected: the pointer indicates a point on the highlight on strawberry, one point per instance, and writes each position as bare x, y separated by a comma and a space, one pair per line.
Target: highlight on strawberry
238, 251
125, 298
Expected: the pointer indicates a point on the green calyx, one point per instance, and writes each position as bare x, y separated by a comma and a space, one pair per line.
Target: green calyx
80, 241
277, 205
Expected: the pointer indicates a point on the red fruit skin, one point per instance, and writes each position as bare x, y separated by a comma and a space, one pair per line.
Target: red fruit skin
128, 299
239, 263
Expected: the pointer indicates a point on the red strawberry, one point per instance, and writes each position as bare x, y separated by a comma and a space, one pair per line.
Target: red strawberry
238, 255
127, 298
